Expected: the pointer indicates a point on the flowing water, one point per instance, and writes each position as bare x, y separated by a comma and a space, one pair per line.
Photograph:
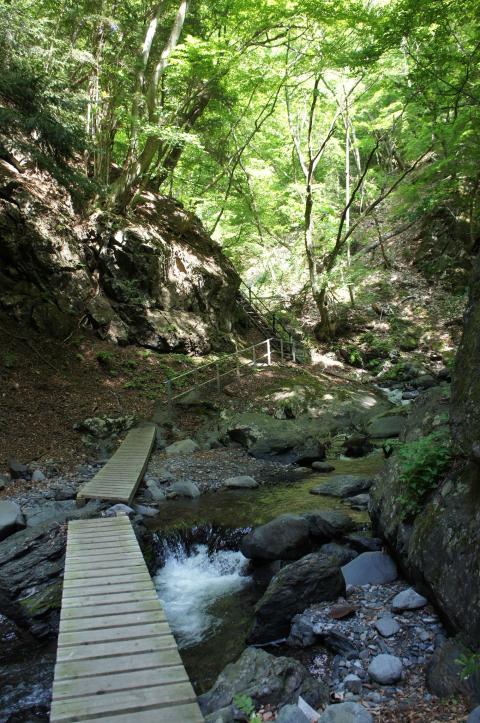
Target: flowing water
206, 585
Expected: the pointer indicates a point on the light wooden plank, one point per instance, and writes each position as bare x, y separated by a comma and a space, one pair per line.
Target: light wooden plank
119, 608
80, 593
85, 572
73, 583
99, 684
121, 663
110, 599
189, 713
116, 647
105, 635
131, 701
112, 621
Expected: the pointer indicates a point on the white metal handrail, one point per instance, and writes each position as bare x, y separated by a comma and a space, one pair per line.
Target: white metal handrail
285, 349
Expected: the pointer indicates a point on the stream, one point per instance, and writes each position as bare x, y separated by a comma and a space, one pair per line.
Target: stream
206, 585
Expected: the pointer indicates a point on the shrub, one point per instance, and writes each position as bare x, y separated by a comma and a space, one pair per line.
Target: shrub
422, 465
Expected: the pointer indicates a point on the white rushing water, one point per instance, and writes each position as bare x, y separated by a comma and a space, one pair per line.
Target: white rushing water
189, 585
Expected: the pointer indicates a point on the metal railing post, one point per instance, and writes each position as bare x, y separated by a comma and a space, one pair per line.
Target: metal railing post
294, 353
254, 357
169, 392
269, 353
237, 365
217, 367
281, 349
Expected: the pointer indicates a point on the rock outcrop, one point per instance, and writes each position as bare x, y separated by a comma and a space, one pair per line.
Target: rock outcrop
438, 549
155, 279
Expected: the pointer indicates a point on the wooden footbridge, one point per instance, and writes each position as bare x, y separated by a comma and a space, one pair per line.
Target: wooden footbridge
117, 660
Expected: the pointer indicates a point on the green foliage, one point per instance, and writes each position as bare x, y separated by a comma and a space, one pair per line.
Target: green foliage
470, 663
245, 703
423, 462
105, 359
9, 359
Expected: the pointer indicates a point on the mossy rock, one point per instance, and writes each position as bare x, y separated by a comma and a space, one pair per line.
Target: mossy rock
44, 601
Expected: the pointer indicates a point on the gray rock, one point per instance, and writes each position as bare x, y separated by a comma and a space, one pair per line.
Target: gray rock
183, 489
352, 683
314, 578
327, 525
114, 510
291, 714
386, 426
18, 470
184, 446
358, 445
385, 669
387, 626
266, 679
445, 672
38, 512
38, 476
224, 715
341, 554
370, 568
474, 716
64, 493
358, 502
241, 482
343, 485
152, 481
4, 480
11, 518
164, 475
408, 600
346, 713
362, 543
157, 494
284, 538
308, 628
323, 466
145, 511
424, 381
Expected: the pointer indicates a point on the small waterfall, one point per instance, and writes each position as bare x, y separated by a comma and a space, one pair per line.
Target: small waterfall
195, 576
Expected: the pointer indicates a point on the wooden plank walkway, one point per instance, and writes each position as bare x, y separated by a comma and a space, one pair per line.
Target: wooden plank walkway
119, 478
117, 660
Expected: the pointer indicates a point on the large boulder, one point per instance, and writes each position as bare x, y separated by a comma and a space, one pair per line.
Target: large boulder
314, 578
184, 446
343, 485
265, 679
11, 518
385, 426
284, 538
370, 568
325, 525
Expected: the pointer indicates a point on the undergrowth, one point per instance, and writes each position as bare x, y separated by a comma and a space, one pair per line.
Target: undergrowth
422, 465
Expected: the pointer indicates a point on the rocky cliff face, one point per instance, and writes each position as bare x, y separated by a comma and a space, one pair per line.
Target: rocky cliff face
439, 548
155, 279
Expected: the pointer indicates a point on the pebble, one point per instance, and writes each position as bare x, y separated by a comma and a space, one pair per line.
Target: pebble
408, 600
387, 626
385, 669
38, 476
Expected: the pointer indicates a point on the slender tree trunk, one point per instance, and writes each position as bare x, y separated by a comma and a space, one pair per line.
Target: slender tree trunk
140, 163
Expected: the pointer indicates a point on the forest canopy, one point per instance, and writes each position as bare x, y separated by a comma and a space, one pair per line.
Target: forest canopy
286, 126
